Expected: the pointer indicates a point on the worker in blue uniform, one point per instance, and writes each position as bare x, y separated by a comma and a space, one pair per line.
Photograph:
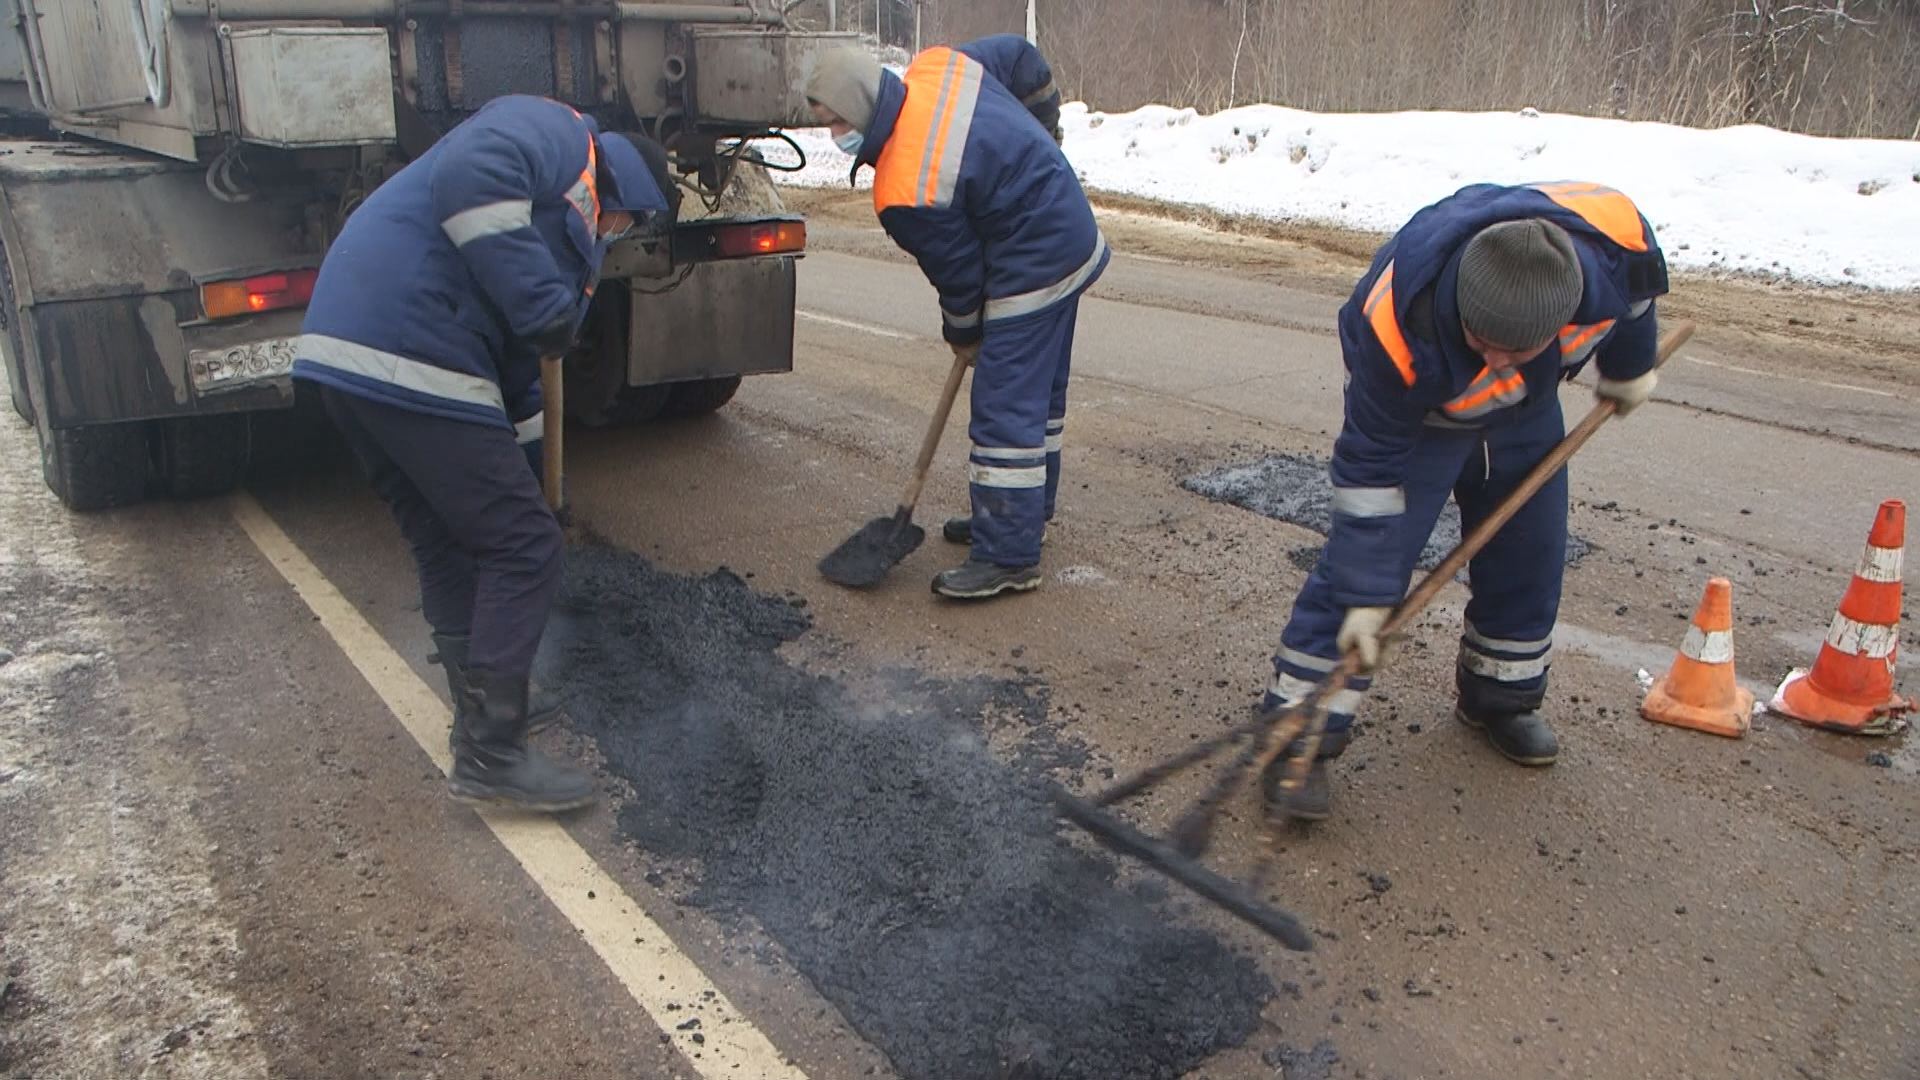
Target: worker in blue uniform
424, 336
969, 179
1455, 343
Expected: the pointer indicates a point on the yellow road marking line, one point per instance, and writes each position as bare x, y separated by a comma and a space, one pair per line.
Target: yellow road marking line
633, 946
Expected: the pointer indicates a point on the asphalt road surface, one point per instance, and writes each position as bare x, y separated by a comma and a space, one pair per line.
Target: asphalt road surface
226, 851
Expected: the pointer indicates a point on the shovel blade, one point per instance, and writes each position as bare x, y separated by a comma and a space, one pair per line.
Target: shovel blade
864, 559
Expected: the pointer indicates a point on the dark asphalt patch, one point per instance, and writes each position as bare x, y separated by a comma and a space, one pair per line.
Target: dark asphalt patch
1294, 488
919, 882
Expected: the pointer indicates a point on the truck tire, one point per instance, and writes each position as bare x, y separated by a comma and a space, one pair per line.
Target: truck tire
703, 396
96, 467
198, 456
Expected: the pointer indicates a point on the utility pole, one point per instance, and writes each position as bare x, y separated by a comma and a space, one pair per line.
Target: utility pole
919, 9
1033, 22
833, 14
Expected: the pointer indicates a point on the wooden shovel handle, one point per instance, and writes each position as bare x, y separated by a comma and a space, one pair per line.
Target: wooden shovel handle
553, 397
931, 443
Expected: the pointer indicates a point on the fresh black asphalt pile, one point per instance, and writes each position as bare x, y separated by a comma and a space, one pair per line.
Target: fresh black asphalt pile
1294, 488
919, 881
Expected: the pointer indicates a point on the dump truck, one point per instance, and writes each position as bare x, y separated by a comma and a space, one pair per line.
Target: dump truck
172, 171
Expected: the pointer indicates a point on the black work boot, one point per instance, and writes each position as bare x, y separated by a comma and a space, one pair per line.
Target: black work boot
1313, 800
450, 652
976, 580
1522, 736
959, 530
491, 760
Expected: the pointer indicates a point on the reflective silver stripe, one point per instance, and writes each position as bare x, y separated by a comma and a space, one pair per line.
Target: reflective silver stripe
532, 429
1369, 502
1039, 96
1488, 667
1292, 691
1708, 647
1856, 638
1002, 453
581, 195
968, 95
1639, 309
1306, 662
1512, 395
492, 219
1034, 476
1585, 349
1881, 565
1055, 442
1439, 419
1505, 645
396, 370
961, 322
1057, 424
1027, 303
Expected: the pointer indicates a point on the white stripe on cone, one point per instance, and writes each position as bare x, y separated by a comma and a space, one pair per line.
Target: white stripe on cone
1708, 647
1862, 639
1881, 565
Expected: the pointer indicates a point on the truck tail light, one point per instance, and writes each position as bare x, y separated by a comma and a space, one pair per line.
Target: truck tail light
759, 238
262, 292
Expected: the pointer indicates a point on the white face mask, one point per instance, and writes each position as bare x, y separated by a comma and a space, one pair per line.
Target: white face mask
850, 142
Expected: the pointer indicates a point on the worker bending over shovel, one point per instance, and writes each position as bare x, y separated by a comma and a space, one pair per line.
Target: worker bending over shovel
1455, 343
428, 322
969, 179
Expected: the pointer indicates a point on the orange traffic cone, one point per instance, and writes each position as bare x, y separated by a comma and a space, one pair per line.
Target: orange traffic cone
1851, 685
1699, 691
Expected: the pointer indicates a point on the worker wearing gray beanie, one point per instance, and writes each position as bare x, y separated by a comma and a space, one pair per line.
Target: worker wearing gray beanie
1456, 342
1520, 282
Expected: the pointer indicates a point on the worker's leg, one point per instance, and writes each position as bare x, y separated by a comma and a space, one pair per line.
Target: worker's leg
1507, 643
475, 480
445, 568
1307, 647
1007, 466
1057, 405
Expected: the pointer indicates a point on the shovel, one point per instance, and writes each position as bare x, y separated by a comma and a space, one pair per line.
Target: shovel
878, 547
553, 449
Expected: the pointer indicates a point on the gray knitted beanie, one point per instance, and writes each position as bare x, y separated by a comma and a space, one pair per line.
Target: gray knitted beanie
1520, 282
846, 80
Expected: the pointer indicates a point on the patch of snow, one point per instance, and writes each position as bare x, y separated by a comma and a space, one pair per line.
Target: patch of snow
1756, 199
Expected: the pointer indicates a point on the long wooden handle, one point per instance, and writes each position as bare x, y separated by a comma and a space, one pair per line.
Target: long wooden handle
928, 445
553, 446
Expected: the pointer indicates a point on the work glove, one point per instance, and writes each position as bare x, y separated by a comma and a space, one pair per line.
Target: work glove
1628, 394
968, 353
1360, 635
1059, 136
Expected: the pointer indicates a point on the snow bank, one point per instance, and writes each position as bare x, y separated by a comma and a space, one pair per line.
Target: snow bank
1748, 199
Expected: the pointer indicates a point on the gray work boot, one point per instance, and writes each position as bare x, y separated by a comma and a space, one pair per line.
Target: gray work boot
976, 580
1313, 800
959, 530
450, 652
492, 762
1522, 736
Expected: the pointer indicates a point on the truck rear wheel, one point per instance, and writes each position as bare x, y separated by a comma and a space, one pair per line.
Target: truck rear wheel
96, 467
199, 456
702, 396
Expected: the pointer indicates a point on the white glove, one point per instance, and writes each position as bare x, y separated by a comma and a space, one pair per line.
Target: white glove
1628, 394
1360, 634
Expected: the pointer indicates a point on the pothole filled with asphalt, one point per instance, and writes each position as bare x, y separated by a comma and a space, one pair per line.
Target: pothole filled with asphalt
1294, 488
920, 882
